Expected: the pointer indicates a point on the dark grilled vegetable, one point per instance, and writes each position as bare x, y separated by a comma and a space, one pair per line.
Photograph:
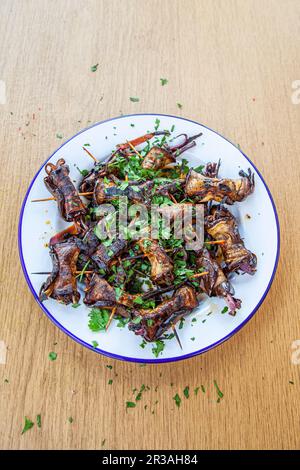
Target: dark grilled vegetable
224, 190
104, 255
221, 225
161, 157
158, 158
161, 264
61, 285
154, 322
88, 182
108, 190
59, 184
99, 292
215, 282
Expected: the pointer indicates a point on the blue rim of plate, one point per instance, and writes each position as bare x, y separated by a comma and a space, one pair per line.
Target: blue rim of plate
132, 359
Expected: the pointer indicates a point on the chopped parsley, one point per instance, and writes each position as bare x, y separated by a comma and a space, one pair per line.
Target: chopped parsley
98, 319
139, 395
196, 390
52, 356
186, 392
39, 421
134, 99
179, 105
220, 394
28, 425
109, 367
225, 309
199, 168
76, 305
95, 344
110, 382
203, 388
163, 81
177, 400
130, 404
59, 136
70, 419
94, 68
157, 123
158, 348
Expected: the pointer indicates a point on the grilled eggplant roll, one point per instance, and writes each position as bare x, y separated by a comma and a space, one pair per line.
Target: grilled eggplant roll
153, 323
59, 183
157, 158
106, 191
61, 285
221, 225
215, 282
224, 190
104, 255
88, 182
99, 292
161, 264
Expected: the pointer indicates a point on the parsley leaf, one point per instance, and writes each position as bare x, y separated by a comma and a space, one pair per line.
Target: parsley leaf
199, 168
52, 356
220, 394
177, 400
28, 425
163, 81
130, 404
134, 99
158, 348
98, 319
94, 67
39, 421
186, 392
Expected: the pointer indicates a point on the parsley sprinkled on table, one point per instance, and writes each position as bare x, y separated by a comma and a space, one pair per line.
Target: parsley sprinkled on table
130, 404
28, 425
220, 394
177, 400
52, 356
39, 421
94, 68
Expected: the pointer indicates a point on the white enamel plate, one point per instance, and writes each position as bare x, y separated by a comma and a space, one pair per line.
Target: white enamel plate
39, 221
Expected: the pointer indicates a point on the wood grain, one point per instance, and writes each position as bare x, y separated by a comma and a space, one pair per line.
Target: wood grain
231, 64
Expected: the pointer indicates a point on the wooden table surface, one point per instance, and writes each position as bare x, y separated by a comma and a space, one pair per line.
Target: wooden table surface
232, 65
